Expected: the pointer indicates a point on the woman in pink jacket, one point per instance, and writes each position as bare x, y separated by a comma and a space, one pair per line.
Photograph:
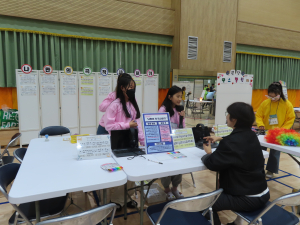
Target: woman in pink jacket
171, 104
123, 113
108, 100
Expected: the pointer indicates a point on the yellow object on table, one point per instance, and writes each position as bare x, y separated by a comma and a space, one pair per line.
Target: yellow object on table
74, 138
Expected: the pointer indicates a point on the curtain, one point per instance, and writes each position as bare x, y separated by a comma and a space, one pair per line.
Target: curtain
38, 50
267, 69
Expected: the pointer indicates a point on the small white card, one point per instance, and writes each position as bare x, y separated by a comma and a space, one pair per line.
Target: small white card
93, 147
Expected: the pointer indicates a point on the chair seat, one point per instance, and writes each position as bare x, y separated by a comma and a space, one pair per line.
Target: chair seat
48, 207
173, 216
7, 159
275, 216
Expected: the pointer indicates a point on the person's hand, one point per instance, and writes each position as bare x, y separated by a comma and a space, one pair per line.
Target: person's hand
182, 113
213, 139
207, 147
261, 128
133, 123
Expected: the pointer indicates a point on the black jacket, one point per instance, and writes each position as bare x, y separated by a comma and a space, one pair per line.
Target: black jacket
240, 161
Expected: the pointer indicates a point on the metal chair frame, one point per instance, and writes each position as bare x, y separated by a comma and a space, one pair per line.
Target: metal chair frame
12, 142
85, 217
292, 200
192, 204
17, 156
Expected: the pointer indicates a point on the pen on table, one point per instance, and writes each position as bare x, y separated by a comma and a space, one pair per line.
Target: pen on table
155, 161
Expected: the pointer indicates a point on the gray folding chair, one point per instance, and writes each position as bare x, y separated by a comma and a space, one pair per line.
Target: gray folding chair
54, 131
5, 159
20, 153
91, 217
185, 211
26, 212
273, 214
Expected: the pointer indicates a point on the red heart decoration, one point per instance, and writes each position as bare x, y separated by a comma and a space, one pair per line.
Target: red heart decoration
218, 83
250, 80
218, 77
232, 83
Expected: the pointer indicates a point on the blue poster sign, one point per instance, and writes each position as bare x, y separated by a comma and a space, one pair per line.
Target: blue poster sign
157, 128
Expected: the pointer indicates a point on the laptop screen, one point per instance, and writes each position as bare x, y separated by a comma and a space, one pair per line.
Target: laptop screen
123, 139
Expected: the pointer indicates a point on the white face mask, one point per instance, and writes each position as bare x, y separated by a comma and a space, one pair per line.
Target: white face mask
273, 99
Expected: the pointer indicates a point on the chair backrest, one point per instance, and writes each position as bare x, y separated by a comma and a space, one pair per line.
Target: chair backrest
292, 199
12, 142
8, 173
54, 130
93, 216
20, 153
192, 204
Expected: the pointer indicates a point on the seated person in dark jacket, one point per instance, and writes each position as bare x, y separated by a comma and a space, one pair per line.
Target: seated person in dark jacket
240, 162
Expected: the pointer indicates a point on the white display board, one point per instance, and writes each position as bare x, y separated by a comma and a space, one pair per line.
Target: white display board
230, 89
198, 88
150, 98
69, 101
28, 105
139, 81
115, 80
49, 99
104, 87
188, 85
87, 103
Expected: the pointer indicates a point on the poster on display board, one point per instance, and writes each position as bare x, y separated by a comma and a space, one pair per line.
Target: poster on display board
157, 128
233, 79
284, 88
183, 138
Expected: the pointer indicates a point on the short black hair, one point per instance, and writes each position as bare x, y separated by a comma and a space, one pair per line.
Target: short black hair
243, 113
212, 84
276, 88
207, 89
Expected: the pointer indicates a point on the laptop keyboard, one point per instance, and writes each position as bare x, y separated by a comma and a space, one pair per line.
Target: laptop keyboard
128, 152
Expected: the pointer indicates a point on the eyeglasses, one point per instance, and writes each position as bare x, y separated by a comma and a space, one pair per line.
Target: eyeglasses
275, 98
226, 113
132, 157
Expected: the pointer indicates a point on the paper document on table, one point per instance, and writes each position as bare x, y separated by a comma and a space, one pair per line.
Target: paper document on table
183, 138
93, 147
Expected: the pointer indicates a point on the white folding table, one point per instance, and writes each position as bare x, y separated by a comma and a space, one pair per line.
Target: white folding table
140, 169
51, 169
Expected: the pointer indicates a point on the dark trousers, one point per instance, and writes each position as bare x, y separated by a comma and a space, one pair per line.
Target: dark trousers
273, 161
237, 203
101, 130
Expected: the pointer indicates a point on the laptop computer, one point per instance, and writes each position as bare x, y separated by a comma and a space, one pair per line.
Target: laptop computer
125, 143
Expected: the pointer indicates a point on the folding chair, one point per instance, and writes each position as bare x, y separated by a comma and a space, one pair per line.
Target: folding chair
185, 211
54, 131
93, 216
20, 153
8, 158
26, 212
272, 214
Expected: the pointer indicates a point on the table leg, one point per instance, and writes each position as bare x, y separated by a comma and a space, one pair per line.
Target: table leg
125, 201
142, 203
104, 202
37, 211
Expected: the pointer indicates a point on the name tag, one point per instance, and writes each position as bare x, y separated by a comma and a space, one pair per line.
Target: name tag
273, 120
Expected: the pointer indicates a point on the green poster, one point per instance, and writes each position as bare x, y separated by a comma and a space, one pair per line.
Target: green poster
9, 118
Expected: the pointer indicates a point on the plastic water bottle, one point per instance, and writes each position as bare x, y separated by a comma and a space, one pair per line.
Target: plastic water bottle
46, 136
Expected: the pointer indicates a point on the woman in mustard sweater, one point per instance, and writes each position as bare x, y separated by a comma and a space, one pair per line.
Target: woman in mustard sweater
274, 112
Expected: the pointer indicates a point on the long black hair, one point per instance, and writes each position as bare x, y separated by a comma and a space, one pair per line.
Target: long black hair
124, 80
122, 75
276, 88
167, 103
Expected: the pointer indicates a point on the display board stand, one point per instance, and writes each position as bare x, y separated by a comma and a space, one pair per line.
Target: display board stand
150, 98
28, 105
87, 103
231, 90
49, 99
69, 101
115, 80
139, 81
104, 87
